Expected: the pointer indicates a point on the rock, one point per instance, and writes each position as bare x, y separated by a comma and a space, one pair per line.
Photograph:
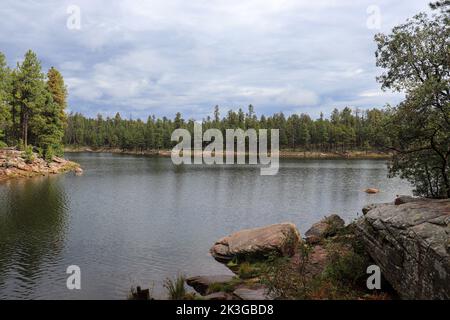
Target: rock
202, 283
411, 245
141, 294
405, 199
325, 228
219, 296
59, 160
316, 262
367, 208
244, 293
79, 171
13, 165
372, 206
278, 238
372, 191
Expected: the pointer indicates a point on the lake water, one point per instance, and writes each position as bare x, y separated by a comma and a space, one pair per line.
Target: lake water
133, 220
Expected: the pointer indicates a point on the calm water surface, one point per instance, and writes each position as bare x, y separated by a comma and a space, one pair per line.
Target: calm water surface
136, 220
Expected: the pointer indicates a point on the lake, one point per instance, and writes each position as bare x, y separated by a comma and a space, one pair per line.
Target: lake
135, 220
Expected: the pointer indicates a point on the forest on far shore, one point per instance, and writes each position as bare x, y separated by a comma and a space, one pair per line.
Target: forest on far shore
345, 130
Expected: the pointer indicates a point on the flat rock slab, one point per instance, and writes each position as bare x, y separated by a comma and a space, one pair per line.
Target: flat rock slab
280, 238
410, 242
251, 294
202, 283
219, 296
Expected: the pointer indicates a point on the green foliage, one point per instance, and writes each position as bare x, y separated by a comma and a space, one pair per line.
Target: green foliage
249, 270
21, 145
175, 288
345, 268
349, 130
28, 154
287, 280
28, 90
416, 58
225, 287
5, 96
32, 110
49, 153
343, 275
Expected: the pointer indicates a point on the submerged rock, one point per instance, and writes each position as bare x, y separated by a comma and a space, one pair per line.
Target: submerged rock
410, 242
278, 238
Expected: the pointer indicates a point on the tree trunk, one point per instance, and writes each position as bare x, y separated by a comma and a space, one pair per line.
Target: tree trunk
25, 129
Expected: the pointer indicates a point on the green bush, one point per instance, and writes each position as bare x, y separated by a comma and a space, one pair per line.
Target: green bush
3, 145
28, 154
225, 287
21, 145
49, 153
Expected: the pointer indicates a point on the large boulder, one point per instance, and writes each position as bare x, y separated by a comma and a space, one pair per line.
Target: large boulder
410, 242
281, 239
327, 227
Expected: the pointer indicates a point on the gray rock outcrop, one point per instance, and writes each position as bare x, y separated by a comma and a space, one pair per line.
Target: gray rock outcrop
410, 242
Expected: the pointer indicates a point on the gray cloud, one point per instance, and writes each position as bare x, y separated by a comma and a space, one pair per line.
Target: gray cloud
158, 57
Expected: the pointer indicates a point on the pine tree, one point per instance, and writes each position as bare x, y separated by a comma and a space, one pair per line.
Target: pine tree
5, 98
54, 112
29, 93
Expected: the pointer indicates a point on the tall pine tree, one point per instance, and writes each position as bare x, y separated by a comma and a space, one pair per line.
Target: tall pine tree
29, 94
5, 98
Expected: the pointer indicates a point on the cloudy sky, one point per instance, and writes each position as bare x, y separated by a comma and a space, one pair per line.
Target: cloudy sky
163, 56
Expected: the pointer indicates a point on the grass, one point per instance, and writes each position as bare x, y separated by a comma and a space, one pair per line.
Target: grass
228, 287
175, 288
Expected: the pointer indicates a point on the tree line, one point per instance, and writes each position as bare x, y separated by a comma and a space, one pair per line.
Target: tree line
415, 58
345, 130
32, 106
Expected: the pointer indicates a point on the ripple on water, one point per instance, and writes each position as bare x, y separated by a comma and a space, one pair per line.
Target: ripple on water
135, 220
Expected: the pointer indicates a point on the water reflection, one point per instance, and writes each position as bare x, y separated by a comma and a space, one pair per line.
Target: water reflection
136, 220
33, 220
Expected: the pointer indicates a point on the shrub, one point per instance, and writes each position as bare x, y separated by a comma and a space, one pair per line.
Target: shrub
21, 145
28, 154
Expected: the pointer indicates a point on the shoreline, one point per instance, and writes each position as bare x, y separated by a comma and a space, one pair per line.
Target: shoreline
15, 165
284, 154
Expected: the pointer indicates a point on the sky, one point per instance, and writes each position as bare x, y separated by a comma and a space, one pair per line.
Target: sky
159, 57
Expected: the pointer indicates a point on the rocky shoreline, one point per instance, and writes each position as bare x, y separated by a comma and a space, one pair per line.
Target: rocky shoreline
17, 164
286, 154
408, 239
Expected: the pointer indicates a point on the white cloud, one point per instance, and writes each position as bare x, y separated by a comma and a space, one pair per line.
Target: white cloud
163, 56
